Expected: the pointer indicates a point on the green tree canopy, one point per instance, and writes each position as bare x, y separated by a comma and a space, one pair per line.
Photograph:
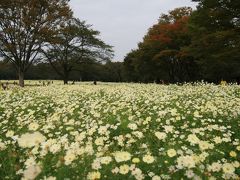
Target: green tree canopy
161, 55
74, 44
24, 26
215, 27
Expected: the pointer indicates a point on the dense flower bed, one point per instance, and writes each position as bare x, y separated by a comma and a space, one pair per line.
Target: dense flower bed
120, 131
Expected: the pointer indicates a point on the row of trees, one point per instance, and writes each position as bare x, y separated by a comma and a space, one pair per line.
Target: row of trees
107, 72
187, 45
33, 31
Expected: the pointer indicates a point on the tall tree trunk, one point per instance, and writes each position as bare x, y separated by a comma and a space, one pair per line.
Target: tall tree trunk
66, 75
65, 80
21, 78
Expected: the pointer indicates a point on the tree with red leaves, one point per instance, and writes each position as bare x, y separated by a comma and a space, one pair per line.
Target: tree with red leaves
161, 55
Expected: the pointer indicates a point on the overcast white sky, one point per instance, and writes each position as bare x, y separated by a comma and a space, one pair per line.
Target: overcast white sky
123, 23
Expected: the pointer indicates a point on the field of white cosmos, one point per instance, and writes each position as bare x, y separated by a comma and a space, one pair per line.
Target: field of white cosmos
120, 131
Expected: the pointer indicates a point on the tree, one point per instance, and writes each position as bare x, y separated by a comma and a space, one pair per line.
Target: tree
74, 44
162, 54
6, 71
114, 71
134, 66
24, 26
216, 39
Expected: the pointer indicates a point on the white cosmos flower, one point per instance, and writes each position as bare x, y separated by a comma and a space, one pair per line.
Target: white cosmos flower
124, 169
29, 140
55, 148
9, 133
33, 126
160, 135
148, 159
185, 161
2, 146
132, 126
228, 168
156, 177
106, 160
215, 167
31, 172
121, 156
192, 138
205, 145
94, 175
171, 152
69, 157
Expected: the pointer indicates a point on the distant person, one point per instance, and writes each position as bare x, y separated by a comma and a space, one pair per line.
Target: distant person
95, 82
4, 86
